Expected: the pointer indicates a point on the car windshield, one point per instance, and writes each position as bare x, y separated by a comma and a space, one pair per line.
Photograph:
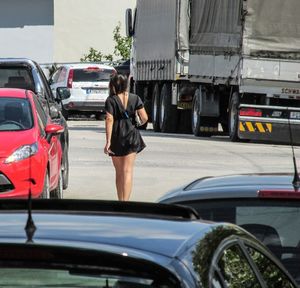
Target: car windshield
15, 77
15, 114
91, 74
276, 223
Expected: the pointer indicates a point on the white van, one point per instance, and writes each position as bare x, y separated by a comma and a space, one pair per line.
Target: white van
88, 84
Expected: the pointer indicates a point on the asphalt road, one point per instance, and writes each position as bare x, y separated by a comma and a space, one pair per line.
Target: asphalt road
169, 160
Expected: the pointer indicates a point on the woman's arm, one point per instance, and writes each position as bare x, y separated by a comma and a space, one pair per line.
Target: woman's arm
109, 121
143, 115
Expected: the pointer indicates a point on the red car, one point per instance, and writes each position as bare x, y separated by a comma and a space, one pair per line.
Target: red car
30, 151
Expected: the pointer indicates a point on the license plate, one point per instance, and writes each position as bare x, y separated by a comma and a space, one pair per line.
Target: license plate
295, 115
96, 91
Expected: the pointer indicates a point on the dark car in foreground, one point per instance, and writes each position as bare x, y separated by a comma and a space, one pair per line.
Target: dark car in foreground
267, 205
82, 243
27, 74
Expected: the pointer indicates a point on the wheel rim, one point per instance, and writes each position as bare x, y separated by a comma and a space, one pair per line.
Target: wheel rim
195, 115
155, 107
162, 111
232, 117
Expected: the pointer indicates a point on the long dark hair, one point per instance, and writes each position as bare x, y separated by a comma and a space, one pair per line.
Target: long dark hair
118, 84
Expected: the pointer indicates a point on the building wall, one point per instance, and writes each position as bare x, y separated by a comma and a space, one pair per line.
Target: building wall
27, 30
81, 24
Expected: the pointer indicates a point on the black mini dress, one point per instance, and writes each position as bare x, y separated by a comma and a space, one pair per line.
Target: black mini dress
125, 138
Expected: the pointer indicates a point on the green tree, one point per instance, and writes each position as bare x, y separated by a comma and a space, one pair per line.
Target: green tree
122, 44
92, 56
121, 49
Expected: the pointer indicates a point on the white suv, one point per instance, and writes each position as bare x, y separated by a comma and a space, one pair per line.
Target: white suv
88, 84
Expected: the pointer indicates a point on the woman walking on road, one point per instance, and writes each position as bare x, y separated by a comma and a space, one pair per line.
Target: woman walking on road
123, 139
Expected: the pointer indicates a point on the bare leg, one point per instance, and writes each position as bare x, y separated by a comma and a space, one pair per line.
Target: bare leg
128, 175
118, 164
124, 174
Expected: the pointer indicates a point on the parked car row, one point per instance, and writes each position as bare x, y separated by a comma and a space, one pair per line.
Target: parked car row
33, 132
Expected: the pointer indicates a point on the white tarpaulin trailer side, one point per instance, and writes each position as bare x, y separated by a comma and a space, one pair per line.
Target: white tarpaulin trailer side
272, 26
215, 26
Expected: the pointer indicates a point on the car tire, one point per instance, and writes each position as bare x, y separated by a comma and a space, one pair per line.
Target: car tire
65, 168
234, 117
57, 193
64, 112
46, 188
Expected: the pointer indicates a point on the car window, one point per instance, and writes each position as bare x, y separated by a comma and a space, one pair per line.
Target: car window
62, 75
46, 86
41, 112
272, 275
236, 270
91, 75
15, 114
55, 76
16, 77
264, 219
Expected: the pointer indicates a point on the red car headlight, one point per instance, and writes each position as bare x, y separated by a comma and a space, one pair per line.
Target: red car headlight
22, 153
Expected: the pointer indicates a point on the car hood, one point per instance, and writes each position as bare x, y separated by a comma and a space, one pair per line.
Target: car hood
229, 186
12, 140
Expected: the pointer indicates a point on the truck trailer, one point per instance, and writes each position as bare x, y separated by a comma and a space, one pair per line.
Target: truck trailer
204, 64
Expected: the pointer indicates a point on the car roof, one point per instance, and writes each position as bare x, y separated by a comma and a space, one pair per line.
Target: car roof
86, 65
109, 230
230, 186
17, 61
13, 93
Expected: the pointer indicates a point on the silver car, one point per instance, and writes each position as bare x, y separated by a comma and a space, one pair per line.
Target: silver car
88, 84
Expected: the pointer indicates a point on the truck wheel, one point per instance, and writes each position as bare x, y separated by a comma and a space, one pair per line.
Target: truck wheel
168, 112
155, 108
234, 117
197, 120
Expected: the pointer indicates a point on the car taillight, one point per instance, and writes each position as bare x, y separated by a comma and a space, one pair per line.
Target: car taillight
250, 112
93, 69
70, 78
279, 194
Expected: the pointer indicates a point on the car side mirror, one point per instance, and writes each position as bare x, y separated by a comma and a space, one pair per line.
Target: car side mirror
54, 129
50, 81
63, 93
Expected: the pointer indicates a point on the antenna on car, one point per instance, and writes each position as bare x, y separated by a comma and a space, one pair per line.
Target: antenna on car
30, 227
296, 180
